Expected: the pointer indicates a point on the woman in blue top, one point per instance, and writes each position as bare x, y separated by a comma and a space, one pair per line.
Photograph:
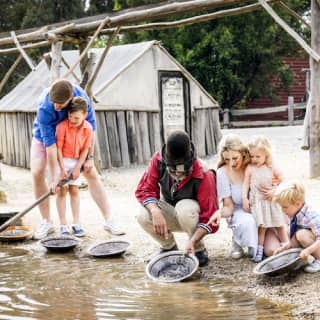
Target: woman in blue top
234, 157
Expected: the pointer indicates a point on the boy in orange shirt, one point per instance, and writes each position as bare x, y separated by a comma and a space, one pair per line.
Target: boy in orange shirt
74, 138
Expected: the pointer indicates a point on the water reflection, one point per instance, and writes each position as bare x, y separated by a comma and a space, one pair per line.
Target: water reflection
72, 286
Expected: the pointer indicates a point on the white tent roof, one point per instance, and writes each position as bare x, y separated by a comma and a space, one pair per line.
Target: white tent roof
24, 96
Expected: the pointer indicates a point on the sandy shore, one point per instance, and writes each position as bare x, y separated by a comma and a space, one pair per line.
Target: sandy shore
302, 290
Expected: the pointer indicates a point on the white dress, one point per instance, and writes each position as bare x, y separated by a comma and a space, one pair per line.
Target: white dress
242, 223
267, 214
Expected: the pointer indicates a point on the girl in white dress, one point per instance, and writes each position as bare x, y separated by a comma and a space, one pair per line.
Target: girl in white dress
262, 173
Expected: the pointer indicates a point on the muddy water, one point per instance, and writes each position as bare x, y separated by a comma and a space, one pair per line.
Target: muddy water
38, 285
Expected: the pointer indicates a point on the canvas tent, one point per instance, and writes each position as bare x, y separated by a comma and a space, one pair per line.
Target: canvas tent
141, 94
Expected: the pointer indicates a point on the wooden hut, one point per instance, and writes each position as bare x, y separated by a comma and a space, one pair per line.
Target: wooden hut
140, 94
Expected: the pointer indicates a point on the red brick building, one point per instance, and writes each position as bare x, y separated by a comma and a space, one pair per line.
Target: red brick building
297, 90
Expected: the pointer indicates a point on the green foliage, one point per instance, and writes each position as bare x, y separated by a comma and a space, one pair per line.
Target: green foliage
100, 6
15, 15
234, 58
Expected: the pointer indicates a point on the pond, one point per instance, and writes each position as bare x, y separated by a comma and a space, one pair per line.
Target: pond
38, 285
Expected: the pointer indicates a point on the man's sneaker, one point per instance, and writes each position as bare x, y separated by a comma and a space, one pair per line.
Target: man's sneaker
44, 230
313, 267
113, 228
64, 230
78, 231
202, 257
236, 251
163, 250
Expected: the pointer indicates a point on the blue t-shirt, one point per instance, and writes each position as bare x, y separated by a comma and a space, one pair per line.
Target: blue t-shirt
47, 118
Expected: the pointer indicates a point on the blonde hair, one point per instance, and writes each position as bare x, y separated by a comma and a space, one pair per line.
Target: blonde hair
262, 143
232, 142
289, 192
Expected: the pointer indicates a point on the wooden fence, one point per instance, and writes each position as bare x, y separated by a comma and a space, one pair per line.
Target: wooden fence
230, 116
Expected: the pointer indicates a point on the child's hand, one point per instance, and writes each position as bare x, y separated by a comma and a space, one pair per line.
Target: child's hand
75, 173
246, 205
278, 250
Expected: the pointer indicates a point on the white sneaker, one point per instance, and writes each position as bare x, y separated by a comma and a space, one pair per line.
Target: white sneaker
236, 251
111, 226
313, 267
44, 230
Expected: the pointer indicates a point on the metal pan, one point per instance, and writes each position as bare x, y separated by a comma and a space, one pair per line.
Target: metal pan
16, 233
282, 263
172, 266
109, 249
60, 243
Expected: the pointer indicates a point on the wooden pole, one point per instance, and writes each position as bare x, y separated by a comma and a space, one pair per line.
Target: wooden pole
56, 52
294, 14
226, 118
187, 21
96, 70
290, 31
315, 94
23, 53
93, 38
9, 72
290, 110
68, 67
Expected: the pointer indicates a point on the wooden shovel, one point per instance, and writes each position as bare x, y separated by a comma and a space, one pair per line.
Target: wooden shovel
23, 212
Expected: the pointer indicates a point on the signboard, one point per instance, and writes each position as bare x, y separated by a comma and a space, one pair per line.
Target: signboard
173, 109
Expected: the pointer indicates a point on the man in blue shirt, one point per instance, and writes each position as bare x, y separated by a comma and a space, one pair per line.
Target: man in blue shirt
53, 108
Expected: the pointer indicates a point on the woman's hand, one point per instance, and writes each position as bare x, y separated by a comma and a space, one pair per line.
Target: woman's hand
246, 205
266, 192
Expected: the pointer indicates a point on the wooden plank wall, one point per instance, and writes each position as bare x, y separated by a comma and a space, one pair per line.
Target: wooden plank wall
206, 132
15, 138
124, 137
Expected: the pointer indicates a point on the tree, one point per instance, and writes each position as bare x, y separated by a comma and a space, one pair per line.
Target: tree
233, 57
100, 6
15, 15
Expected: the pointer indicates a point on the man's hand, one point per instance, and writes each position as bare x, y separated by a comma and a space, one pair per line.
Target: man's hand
53, 186
159, 223
88, 165
215, 218
189, 247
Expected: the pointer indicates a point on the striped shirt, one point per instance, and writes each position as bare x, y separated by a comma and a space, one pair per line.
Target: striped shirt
308, 218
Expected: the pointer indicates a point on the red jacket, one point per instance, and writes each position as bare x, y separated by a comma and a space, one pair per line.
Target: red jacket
148, 190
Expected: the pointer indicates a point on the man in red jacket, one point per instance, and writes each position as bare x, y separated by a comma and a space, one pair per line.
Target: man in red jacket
178, 194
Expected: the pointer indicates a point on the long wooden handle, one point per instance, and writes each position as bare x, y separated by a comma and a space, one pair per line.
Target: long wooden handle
22, 213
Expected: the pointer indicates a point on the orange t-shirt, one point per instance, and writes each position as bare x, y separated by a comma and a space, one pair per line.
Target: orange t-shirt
72, 141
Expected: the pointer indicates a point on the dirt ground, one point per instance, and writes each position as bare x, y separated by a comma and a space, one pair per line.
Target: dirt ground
300, 290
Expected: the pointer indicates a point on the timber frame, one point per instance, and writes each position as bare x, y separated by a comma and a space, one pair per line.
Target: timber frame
84, 32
